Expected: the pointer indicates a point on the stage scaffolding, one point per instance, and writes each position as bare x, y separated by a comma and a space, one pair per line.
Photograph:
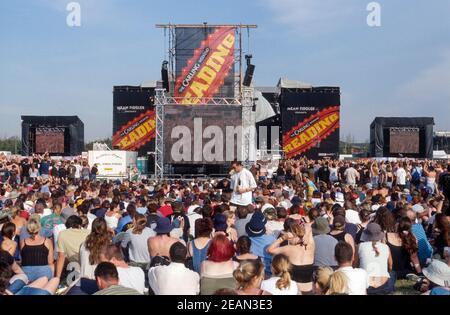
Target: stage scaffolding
244, 96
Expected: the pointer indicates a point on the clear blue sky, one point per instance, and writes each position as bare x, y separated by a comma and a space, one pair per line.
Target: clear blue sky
401, 68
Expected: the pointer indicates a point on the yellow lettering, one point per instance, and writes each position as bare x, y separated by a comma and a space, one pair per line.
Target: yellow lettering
229, 41
304, 138
312, 132
213, 65
133, 136
207, 74
198, 88
220, 54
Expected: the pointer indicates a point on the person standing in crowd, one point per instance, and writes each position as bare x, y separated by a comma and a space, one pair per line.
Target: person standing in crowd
107, 278
351, 175
444, 182
243, 184
174, 279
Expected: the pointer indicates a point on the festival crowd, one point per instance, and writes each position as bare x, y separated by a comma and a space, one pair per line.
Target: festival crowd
320, 227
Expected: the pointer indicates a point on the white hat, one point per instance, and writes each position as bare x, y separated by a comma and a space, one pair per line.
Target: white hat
339, 197
191, 208
352, 216
266, 206
438, 272
418, 208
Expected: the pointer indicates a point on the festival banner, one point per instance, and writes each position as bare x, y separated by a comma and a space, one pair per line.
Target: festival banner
130, 104
310, 131
136, 133
204, 63
310, 122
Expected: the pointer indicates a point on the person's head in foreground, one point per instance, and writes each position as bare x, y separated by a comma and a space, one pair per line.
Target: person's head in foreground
178, 253
249, 276
107, 278
328, 282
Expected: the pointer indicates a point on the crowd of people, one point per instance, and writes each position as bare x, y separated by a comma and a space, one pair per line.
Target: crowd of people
313, 227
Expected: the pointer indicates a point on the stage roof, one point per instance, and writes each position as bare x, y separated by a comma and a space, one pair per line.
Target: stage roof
402, 121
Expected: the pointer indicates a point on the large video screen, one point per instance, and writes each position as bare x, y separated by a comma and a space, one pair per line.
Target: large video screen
404, 140
202, 134
49, 140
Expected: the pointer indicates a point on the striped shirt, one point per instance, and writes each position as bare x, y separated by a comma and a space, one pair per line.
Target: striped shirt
117, 290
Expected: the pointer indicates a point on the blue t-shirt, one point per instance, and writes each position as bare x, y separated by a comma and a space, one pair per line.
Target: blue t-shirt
425, 249
440, 291
259, 248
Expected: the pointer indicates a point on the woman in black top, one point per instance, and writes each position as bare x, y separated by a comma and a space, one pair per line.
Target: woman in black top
404, 248
36, 252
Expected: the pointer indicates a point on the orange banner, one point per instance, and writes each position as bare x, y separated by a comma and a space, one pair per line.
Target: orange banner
309, 132
207, 69
136, 133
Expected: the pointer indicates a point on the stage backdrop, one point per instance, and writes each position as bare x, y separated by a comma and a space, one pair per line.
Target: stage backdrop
134, 121
204, 62
310, 121
202, 134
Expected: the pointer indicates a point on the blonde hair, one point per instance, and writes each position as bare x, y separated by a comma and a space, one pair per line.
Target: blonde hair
338, 283
281, 267
323, 275
34, 225
247, 272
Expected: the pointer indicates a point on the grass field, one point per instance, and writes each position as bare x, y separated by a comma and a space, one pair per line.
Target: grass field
405, 287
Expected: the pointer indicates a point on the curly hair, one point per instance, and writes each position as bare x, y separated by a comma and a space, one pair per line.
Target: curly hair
97, 240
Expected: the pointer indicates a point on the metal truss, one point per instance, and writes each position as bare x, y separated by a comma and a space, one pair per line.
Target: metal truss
248, 127
160, 101
170, 100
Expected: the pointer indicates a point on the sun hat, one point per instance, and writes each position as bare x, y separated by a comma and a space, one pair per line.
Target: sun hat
339, 197
220, 222
438, 272
320, 226
267, 206
418, 208
163, 226
257, 225
372, 232
352, 216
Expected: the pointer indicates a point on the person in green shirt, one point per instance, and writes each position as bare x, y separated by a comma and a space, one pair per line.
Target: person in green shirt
107, 278
50, 221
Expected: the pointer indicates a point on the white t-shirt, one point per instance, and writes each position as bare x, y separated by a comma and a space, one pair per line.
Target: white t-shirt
401, 176
243, 179
78, 170
174, 279
270, 286
357, 280
86, 269
376, 266
132, 277
350, 175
